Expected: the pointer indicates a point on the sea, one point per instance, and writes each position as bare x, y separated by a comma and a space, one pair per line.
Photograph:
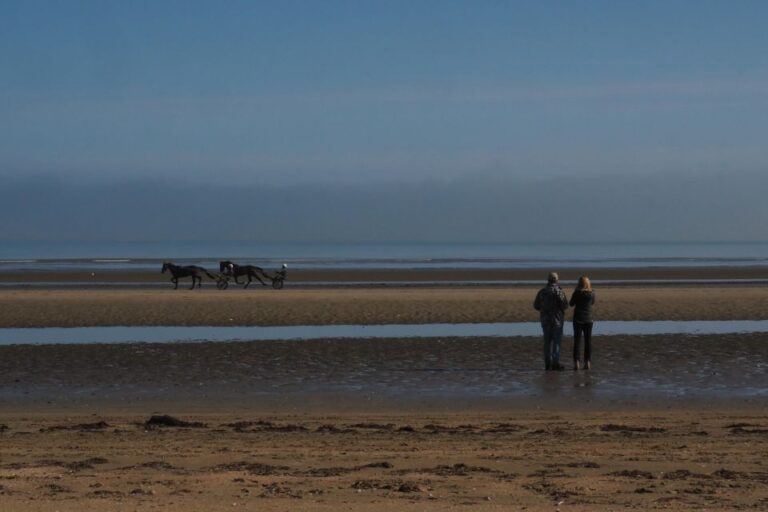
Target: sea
75, 255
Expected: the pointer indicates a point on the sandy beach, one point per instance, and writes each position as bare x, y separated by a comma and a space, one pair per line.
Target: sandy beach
283, 256
662, 422
506, 460
89, 307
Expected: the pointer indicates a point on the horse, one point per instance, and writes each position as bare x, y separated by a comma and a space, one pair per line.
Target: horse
186, 271
235, 270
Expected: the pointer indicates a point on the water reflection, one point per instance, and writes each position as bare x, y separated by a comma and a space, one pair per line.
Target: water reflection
167, 334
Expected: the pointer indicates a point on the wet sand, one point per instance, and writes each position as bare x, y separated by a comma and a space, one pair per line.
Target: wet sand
385, 276
315, 376
662, 422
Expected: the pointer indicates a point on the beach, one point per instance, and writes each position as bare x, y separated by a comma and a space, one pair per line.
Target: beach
702, 459
283, 256
382, 305
662, 421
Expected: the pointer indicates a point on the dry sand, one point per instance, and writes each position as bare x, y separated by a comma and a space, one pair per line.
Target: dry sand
71, 308
522, 460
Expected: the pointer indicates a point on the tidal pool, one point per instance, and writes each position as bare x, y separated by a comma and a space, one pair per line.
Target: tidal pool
169, 334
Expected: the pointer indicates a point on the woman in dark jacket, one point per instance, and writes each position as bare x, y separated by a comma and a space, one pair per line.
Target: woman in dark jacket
582, 300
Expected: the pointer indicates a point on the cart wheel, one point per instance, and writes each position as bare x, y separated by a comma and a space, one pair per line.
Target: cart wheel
222, 284
277, 284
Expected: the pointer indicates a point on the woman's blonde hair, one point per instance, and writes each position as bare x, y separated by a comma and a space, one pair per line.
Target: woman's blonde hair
584, 284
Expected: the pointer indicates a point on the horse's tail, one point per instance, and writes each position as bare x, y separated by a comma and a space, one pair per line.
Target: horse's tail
263, 273
205, 271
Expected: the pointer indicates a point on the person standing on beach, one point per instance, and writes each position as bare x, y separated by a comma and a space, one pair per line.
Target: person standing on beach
582, 300
551, 304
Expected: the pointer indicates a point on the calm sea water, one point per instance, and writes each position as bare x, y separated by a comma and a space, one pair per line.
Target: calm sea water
72, 255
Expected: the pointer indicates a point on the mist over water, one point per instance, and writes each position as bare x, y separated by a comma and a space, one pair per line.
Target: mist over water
105, 255
682, 208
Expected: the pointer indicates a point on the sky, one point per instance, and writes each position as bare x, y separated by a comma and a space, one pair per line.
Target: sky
293, 94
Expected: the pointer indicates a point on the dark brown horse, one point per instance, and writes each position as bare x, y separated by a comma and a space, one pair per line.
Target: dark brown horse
251, 271
195, 272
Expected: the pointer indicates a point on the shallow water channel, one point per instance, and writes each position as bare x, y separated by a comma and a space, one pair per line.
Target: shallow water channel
169, 334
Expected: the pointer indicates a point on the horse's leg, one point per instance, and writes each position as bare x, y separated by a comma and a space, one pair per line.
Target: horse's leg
193, 282
235, 274
249, 280
175, 283
256, 275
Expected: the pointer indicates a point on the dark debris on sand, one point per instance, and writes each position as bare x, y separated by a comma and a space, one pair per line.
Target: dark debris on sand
253, 468
85, 464
279, 489
264, 426
83, 427
333, 429
170, 421
460, 469
625, 429
633, 473
388, 485
746, 431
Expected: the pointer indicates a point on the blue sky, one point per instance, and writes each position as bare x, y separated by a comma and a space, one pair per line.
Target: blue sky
358, 91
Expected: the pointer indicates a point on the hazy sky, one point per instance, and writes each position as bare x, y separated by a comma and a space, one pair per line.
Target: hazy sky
386, 120
291, 92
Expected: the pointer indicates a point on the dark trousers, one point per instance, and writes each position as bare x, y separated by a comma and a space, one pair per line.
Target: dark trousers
553, 335
580, 330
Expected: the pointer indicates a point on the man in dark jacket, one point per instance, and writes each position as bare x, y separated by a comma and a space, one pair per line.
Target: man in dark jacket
551, 304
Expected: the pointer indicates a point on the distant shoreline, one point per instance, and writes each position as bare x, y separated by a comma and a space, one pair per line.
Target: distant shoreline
403, 277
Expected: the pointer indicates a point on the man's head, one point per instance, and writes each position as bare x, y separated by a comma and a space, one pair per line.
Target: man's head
553, 278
